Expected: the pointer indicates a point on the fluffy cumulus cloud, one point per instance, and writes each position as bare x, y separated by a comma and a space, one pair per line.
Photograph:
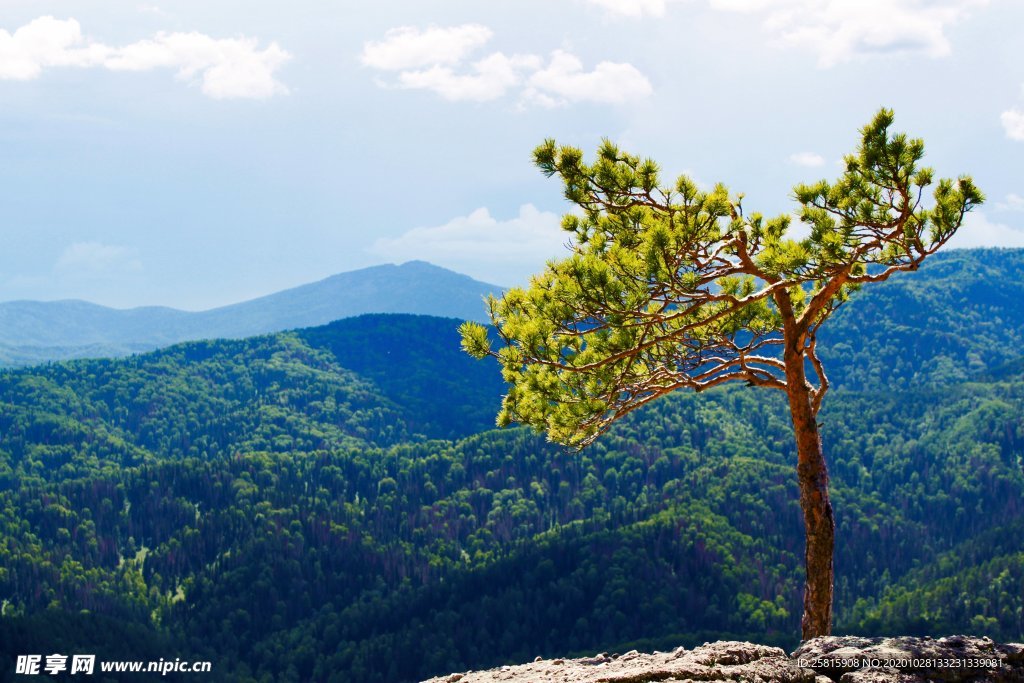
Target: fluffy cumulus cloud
809, 159
407, 47
96, 258
1013, 124
439, 59
840, 30
837, 30
503, 252
223, 68
564, 79
487, 79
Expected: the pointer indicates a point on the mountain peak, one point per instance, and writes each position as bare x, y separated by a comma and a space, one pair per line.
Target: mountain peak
421, 266
40, 331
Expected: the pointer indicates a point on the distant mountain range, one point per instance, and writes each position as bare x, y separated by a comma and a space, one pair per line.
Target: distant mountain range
961, 315
36, 331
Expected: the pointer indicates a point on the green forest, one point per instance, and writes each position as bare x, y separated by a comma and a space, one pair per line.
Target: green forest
334, 504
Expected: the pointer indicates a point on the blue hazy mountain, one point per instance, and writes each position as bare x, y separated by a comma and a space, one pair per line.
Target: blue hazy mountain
36, 331
959, 316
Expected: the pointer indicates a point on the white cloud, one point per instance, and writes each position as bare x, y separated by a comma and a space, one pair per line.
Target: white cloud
437, 59
490, 79
840, 30
837, 30
978, 231
95, 258
41, 43
1013, 202
1013, 124
224, 68
228, 68
479, 245
632, 8
564, 79
809, 159
407, 47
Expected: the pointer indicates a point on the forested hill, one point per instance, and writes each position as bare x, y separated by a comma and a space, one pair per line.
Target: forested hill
369, 380
372, 563
327, 504
960, 315
382, 379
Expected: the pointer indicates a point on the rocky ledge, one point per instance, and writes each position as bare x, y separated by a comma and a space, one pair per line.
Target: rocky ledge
845, 659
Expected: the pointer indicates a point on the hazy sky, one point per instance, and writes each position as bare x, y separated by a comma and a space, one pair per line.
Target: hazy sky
193, 154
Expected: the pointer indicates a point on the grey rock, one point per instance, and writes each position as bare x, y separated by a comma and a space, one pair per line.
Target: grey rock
1013, 652
722, 661
878, 676
874, 660
903, 659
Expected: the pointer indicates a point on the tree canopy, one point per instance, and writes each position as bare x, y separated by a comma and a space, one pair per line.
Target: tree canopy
672, 286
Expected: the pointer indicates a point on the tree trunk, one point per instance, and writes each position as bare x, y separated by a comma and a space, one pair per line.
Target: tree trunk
819, 522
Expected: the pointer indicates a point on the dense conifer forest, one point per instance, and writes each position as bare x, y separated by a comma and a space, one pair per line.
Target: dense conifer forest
333, 503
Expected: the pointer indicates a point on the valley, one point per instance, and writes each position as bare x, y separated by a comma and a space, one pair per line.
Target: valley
333, 502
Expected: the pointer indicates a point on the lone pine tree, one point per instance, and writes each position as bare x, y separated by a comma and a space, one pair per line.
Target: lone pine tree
672, 287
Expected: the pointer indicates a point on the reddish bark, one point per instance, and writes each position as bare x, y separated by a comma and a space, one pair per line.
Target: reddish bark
819, 522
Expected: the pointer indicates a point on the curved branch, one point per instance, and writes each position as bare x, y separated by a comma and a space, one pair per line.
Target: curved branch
819, 393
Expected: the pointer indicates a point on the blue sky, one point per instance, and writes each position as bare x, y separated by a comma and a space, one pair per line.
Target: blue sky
194, 154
